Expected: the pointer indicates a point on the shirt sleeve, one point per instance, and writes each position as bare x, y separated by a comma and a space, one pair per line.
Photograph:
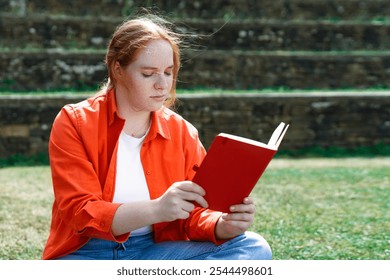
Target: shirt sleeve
77, 189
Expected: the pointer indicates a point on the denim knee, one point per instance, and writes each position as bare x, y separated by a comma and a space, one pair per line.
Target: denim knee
260, 249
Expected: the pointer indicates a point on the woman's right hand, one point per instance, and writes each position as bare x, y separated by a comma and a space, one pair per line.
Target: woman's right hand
178, 201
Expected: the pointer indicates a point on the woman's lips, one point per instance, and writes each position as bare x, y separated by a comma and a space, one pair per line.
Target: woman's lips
159, 97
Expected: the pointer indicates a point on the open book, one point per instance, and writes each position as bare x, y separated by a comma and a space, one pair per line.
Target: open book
232, 167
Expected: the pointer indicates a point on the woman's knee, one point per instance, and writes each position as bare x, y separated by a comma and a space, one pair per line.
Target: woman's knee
260, 249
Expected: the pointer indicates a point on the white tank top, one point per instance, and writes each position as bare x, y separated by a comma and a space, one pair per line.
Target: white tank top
130, 184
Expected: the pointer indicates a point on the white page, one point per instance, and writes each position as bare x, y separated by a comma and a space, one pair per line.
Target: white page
281, 136
244, 140
276, 135
273, 143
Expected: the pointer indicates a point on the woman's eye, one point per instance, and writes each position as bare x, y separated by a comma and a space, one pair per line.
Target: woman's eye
147, 75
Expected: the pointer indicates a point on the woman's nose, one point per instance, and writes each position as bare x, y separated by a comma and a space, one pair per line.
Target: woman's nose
161, 81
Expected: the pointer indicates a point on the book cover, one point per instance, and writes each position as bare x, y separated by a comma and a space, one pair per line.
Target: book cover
232, 167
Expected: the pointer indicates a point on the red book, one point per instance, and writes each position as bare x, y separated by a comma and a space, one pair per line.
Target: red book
232, 167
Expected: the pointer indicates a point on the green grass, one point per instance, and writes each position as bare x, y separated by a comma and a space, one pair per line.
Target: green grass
306, 209
326, 209
25, 207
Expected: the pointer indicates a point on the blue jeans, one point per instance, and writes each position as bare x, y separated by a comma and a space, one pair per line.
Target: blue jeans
248, 246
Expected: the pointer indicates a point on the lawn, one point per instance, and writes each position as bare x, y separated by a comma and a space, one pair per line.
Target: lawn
306, 209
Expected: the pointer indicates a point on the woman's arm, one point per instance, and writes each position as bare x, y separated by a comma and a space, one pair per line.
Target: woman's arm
176, 203
78, 192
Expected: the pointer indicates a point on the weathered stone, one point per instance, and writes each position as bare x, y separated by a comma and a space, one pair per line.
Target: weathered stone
69, 32
333, 119
279, 9
78, 70
8, 131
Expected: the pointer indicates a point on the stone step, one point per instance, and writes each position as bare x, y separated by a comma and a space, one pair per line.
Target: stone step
81, 70
277, 9
94, 32
332, 119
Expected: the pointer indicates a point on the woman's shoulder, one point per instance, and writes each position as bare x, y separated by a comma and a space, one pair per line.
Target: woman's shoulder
89, 102
171, 116
175, 120
168, 114
87, 110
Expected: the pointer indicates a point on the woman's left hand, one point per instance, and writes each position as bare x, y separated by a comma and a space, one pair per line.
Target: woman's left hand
238, 221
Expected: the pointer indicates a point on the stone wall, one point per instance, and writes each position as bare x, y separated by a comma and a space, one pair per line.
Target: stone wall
299, 44
327, 120
281, 9
85, 32
57, 70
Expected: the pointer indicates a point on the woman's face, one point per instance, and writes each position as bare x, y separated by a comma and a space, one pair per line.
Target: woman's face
147, 81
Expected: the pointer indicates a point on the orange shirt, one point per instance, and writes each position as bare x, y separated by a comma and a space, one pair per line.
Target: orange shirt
83, 147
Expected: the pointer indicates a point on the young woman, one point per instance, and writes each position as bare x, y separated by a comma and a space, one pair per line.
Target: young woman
122, 164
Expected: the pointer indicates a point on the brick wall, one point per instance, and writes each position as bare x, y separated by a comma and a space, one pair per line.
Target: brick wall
333, 119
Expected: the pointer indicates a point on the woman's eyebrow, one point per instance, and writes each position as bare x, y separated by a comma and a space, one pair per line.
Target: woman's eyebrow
154, 68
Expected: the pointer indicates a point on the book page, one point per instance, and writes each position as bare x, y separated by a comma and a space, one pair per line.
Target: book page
281, 136
278, 135
273, 143
244, 140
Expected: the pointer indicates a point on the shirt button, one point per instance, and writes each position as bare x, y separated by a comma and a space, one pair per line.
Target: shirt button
148, 172
102, 224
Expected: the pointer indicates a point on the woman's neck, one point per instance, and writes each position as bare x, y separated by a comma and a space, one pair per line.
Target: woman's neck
137, 123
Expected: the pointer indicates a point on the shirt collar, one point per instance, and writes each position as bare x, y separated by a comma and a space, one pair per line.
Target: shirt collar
112, 107
159, 125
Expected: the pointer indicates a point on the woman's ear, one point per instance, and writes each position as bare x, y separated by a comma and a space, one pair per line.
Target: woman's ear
117, 70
